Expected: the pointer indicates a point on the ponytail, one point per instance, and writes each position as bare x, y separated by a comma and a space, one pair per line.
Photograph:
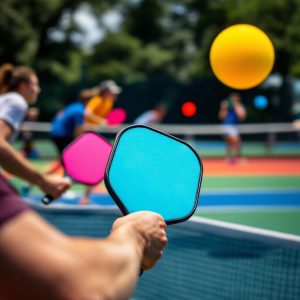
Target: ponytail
6, 72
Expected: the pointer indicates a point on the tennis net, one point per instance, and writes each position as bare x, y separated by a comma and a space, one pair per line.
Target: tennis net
204, 259
273, 139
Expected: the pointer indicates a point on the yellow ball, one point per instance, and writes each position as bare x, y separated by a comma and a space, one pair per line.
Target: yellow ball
242, 56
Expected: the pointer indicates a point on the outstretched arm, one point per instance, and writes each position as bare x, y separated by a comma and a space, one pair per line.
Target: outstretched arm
98, 120
240, 111
14, 163
39, 262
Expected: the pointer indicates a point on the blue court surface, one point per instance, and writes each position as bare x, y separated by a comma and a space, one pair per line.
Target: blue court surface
230, 198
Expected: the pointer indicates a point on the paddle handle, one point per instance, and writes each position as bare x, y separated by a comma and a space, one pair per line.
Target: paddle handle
47, 199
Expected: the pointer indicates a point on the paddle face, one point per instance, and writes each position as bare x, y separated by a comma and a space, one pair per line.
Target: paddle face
117, 116
85, 159
149, 170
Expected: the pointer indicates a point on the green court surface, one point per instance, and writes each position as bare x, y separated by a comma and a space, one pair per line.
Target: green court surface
287, 221
259, 149
253, 182
281, 219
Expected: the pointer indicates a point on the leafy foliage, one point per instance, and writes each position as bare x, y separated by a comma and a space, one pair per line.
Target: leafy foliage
169, 38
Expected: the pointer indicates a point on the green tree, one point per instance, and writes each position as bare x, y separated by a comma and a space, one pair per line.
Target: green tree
25, 32
281, 21
125, 59
27, 37
142, 19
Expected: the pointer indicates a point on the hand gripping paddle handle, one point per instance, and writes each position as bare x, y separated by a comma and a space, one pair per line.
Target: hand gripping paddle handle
47, 199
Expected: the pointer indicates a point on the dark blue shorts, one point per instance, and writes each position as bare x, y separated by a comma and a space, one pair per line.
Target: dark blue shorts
61, 143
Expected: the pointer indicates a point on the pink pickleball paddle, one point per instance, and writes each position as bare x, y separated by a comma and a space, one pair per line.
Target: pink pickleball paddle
85, 160
117, 116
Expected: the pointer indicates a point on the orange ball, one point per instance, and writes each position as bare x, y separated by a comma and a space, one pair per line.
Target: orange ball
242, 56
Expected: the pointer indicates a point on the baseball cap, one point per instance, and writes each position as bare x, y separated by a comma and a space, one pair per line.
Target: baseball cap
111, 86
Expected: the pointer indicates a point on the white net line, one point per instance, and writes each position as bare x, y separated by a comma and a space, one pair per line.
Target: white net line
179, 129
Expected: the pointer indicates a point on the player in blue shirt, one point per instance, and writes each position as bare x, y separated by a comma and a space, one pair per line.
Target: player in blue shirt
68, 124
231, 112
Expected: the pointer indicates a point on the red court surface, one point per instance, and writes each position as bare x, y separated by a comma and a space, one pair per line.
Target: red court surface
251, 166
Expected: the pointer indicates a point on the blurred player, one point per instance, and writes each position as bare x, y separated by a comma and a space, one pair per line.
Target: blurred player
96, 112
101, 104
231, 112
152, 116
69, 123
19, 88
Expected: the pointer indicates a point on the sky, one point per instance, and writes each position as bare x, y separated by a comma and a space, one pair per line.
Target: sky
92, 32
88, 23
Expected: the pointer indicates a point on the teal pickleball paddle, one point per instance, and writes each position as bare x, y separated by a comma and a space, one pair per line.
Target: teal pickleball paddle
153, 171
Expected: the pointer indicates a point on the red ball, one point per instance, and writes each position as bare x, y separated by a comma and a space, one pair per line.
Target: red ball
188, 109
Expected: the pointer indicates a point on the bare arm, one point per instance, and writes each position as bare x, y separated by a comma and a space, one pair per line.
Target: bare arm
38, 262
240, 111
223, 110
14, 163
95, 118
